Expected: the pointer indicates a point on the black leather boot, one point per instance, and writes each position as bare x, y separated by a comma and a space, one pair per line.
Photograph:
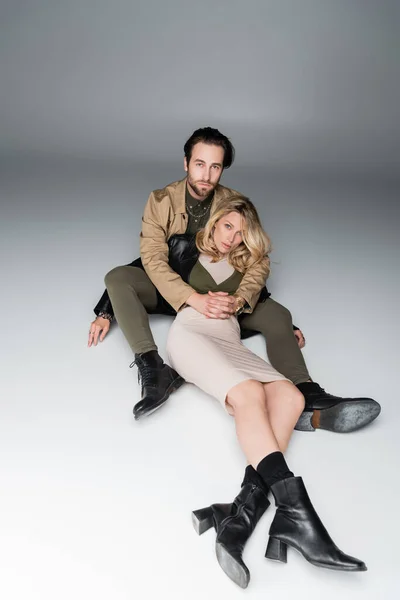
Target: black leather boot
158, 381
234, 524
341, 415
296, 524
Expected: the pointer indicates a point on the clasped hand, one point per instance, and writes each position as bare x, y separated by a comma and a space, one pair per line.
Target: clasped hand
214, 305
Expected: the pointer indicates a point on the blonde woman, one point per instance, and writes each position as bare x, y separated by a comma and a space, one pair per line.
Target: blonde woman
264, 404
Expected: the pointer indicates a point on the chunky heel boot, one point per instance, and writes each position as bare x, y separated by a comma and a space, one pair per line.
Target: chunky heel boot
234, 531
211, 516
296, 524
276, 550
234, 524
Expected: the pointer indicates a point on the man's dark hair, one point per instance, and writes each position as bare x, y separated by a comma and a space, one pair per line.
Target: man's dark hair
208, 135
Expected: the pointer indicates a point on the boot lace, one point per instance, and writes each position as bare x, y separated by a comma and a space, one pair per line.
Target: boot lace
144, 373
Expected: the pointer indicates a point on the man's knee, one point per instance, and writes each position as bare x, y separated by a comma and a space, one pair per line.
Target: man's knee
118, 276
271, 317
277, 311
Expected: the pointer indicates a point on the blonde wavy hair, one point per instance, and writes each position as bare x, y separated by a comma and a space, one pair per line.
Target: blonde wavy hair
255, 244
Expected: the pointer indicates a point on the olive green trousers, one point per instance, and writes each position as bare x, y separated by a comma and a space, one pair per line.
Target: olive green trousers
133, 296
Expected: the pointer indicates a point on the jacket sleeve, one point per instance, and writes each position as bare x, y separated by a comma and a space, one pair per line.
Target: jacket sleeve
154, 254
251, 285
104, 305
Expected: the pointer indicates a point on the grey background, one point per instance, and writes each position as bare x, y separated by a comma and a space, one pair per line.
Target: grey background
96, 101
306, 83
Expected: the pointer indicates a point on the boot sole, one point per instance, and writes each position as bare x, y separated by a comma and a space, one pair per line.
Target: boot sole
175, 385
238, 573
341, 418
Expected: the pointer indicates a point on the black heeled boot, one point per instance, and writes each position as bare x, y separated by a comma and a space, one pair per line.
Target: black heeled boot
211, 516
296, 524
158, 381
234, 524
333, 413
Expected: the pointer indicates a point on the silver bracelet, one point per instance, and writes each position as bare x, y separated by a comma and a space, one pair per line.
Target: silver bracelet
105, 315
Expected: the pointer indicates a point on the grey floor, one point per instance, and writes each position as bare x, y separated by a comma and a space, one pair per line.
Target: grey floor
96, 505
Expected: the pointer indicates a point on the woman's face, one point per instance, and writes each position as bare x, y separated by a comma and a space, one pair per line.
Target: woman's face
228, 232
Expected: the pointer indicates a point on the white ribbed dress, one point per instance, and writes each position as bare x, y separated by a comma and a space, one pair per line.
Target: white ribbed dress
209, 352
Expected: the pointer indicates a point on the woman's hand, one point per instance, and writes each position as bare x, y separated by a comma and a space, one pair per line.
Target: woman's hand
98, 327
214, 305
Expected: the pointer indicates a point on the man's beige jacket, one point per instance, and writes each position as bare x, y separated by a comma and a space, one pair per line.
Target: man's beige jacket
165, 215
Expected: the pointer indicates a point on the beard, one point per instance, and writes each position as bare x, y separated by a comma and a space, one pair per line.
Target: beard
200, 191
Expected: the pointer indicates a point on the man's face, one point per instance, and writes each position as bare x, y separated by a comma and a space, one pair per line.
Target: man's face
204, 169
228, 232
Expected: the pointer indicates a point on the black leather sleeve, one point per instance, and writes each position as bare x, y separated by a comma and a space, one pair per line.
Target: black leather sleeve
104, 305
182, 254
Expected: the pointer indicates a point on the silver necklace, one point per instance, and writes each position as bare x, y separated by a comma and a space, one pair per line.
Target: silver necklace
200, 215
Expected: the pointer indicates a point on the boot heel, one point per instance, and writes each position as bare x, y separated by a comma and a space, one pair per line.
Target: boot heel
305, 422
276, 550
202, 519
178, 383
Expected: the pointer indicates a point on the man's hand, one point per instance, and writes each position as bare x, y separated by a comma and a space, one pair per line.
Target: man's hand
214, 305
98, 327
301, 340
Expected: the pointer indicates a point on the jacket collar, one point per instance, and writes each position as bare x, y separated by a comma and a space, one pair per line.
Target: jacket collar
179, 198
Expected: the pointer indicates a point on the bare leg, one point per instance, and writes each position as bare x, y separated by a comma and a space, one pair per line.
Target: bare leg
284, 405
265, 416
248, 403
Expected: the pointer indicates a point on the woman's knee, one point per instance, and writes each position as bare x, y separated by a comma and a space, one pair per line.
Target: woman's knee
296, 399
285, 392
245, 394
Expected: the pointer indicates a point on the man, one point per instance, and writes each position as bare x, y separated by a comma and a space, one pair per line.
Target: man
140, 288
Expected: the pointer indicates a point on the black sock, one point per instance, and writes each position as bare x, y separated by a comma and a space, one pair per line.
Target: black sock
273, 468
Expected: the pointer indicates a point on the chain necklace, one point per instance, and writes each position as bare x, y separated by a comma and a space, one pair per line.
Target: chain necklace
202, 214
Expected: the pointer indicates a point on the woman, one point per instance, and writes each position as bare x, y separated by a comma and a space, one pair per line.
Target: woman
264, 404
